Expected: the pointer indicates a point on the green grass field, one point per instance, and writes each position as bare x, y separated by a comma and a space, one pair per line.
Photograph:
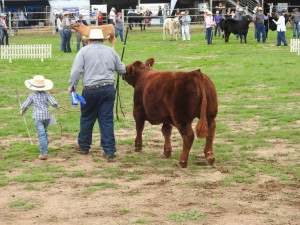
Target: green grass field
255, 179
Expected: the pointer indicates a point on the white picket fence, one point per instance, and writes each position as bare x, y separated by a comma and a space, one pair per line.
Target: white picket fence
295, 45
43, 51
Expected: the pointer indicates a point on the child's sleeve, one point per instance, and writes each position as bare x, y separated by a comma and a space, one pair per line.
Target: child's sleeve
52, 101
26, 104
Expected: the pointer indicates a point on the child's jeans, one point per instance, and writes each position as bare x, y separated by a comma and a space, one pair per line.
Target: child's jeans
41, 129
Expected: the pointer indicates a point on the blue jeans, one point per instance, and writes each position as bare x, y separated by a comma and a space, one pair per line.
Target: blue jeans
281, 37
255, 35
217, 28
100, 23
79, 40
296, 29
99, 105
41, 129
1, 36
117, 32
261, 29
67, 38
61, 33
209, 35
161, 21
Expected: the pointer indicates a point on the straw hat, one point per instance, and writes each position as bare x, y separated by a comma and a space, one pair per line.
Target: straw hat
259, 9
295, 9
96, 34
241, 10
209, 13
217, 12
39, 83
67, 13
182, 13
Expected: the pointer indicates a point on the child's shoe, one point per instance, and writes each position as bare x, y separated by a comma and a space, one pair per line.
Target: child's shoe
43, 157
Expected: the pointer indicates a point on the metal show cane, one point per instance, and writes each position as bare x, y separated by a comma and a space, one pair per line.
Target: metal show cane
24, 118
118, 79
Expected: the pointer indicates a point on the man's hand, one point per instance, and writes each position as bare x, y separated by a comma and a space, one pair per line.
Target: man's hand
71, 90
21, 113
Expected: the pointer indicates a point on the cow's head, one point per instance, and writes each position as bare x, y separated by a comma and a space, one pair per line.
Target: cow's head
248, 18
133, 70
176, 19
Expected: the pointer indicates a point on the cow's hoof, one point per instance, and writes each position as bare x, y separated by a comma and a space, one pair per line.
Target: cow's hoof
210, 160
183, 164
167, 153
137, 149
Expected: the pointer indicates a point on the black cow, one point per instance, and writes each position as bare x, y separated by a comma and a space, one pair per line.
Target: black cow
222, 22
269, 24
237, 27
137, 18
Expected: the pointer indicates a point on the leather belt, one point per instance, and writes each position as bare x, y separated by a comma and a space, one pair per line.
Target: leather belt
99, 85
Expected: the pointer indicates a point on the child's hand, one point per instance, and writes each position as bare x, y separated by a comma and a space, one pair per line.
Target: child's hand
21, 113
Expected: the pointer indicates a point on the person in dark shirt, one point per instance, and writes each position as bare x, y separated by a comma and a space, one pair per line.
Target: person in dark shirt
159, 14
81, 21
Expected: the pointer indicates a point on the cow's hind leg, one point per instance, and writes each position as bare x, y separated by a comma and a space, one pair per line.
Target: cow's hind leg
167, 130
139, 130
187, 134
208, 150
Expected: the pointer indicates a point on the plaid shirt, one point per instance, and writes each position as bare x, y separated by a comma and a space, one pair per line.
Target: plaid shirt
39, 100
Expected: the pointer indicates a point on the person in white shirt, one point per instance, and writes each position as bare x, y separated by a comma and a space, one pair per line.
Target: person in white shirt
281, 28
60, 30
112, 16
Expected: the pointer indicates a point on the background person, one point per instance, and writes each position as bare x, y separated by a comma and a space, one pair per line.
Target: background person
159, 14
112, 15
2, 28
40, 114
296, 23
119, 26
209, 24
185, 29
259, 19
66, 22
281, 28
15, 20
81, 21
239, 16
217, 19
100, 18
96, 63
61, 31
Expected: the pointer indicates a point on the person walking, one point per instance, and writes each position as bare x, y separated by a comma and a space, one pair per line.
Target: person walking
41, 115
185, 29
259, 19
281, 28
96, 63
100, 18
60, 30
66, 22
296, 23
81, 21
217, 19
209, 24
119, 26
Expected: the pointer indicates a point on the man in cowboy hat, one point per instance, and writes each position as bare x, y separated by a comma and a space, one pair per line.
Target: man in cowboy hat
40, 114
259, 19
239, 16
296, 22
96, 63
66, 22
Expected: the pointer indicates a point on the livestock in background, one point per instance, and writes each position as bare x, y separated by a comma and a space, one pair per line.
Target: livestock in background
84, 31
174, 99
136, 18
171, 26
240, 27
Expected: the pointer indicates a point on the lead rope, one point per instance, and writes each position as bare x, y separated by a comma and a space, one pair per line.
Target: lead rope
118, 80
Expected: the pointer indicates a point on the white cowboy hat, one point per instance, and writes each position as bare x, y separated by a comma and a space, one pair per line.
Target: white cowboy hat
67, 13
3, 15
39, 83
209, 13
182, 13
217, 12
241, 10
259, 8
96, 34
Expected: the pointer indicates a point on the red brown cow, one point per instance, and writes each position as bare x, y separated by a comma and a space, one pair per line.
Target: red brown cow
174, 99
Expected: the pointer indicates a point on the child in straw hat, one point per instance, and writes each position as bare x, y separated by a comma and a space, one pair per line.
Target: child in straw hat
40, 114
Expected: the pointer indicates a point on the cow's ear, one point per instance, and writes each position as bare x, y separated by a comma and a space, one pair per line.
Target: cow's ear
150, 62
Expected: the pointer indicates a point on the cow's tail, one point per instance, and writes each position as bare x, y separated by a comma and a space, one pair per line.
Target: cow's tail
201, 127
